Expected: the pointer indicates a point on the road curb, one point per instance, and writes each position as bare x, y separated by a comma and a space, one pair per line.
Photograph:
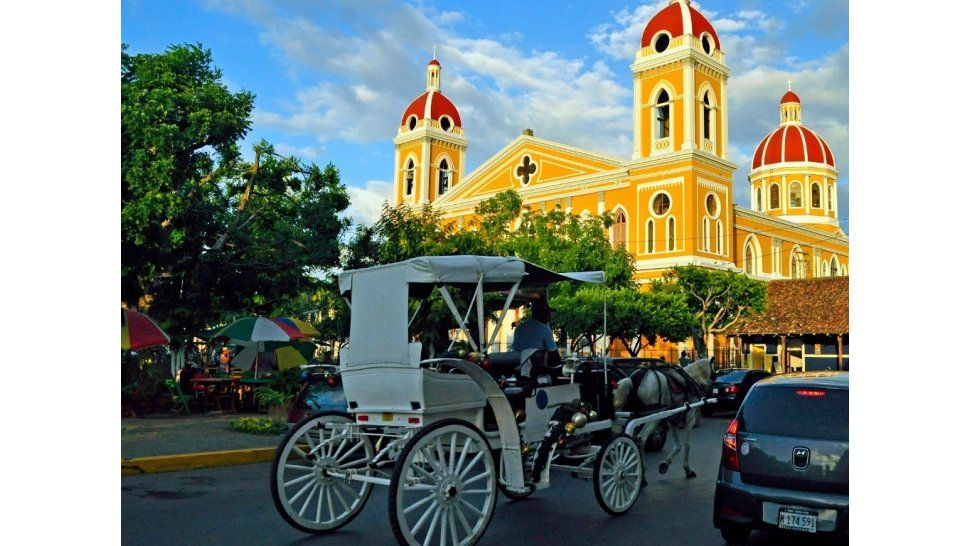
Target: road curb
192, 461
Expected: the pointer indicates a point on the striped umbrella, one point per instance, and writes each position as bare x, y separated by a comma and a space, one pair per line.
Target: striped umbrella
140, 332
258, 329
298, 325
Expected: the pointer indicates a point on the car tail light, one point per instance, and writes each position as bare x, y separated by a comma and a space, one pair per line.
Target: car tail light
731, 389
729, 449
414, 420
363, 418
333, 381
810, 393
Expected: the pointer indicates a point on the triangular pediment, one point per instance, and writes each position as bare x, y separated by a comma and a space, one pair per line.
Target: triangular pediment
528, 162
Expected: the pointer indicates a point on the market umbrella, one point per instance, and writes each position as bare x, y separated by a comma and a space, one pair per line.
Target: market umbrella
292, 354
140, 332
254, 332
298, 325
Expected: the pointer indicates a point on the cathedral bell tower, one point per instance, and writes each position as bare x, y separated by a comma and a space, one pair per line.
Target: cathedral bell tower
429, 150
680, 141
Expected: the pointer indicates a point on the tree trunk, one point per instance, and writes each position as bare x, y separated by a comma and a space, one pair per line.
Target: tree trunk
700, 347
709, 344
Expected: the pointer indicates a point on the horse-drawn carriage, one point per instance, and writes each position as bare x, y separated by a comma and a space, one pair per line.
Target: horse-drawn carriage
447, 434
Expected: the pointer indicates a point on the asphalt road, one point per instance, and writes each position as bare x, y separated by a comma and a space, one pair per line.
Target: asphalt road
232, 505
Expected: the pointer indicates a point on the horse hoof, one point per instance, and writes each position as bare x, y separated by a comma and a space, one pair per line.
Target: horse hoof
691, 474
663, 468
643, 483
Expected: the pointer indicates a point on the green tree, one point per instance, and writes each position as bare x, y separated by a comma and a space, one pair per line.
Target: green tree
718, 299
206, 234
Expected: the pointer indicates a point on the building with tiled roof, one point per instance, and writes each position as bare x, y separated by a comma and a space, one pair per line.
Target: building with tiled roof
805, 326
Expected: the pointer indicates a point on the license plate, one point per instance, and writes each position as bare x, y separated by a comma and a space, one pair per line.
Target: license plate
797, 520
717, 391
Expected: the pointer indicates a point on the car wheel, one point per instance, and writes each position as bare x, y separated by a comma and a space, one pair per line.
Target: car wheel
735, 534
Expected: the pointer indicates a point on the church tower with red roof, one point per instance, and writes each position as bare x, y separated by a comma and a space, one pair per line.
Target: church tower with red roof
429, 150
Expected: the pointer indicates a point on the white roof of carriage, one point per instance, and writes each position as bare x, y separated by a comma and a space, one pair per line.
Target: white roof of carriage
469, 270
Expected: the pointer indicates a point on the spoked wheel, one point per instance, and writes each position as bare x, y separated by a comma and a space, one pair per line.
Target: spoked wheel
304, 492
443, 489
617, 474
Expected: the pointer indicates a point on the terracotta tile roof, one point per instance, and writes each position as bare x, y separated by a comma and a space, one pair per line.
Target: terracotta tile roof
803, 306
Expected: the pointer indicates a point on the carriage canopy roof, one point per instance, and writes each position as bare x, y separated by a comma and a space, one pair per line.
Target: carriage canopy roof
496, 272
379, 296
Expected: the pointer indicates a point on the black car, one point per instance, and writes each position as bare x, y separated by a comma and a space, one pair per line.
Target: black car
785, 459
730, 386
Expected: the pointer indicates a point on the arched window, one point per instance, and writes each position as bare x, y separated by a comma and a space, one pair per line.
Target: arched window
717, 240
749, 259
797, 265
650, 244
825, 268
619, 230
757, 200
706, 119
795, 195
830, 199
774, 197
816, 196
834, 269
705, 236
444, 177
662, 112
409, 178
671, 234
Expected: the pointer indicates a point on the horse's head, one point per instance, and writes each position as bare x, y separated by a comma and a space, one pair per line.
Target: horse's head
701, 371
622, 392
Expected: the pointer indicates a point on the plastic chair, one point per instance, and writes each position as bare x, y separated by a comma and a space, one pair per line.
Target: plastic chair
179, 401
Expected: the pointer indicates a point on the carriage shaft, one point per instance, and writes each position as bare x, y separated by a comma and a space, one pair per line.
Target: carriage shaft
360, 478
632, 424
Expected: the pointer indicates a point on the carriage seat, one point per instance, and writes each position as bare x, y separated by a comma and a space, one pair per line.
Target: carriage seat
504, 363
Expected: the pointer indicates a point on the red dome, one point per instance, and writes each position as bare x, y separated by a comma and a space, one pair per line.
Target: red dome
790, 97
432, 105
434, 62
678, 19
791, 143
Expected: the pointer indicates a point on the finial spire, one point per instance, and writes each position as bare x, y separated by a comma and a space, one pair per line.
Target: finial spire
434, 51
789, 84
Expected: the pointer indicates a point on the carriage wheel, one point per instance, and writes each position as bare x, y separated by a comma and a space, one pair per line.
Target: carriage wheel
443, 488
617, 474
304, 493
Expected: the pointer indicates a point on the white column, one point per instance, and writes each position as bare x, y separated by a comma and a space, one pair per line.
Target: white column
600, 203
784, 195
425, 191
398, 182
637, 117
690, 105
724, 121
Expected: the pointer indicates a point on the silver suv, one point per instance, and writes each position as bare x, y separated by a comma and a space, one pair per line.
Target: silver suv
785, 458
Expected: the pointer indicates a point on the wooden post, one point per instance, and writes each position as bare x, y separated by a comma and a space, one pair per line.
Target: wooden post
838, 341
783, 354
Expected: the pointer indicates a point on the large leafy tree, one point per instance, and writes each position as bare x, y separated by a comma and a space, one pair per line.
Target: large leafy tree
717, 299
207, 234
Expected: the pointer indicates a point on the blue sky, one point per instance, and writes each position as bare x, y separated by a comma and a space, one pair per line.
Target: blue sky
332, 78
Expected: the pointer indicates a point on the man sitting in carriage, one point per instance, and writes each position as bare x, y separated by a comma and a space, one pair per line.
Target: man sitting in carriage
535, 333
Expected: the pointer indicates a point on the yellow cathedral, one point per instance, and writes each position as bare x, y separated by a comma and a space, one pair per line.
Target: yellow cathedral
672, 201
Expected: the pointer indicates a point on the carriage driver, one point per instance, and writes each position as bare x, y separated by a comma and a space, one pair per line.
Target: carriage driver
535, 333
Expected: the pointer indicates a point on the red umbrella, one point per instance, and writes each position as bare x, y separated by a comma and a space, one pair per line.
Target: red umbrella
140, 332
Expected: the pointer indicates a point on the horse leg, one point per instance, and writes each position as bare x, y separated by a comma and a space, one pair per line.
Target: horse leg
673, 453
642, 434
691, 417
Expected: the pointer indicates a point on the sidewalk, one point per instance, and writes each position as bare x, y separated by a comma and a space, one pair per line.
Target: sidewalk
167, 443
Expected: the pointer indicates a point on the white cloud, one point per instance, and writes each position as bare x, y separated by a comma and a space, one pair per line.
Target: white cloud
448, 17
305, 152
620, 38
366, 203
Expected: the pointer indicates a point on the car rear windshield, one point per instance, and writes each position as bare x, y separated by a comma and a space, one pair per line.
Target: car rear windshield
797, 411
735, 376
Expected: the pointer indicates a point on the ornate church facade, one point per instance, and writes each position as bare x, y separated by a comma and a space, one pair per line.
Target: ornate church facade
673, 200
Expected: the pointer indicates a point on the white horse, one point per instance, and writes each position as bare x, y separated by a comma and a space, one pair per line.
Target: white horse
667, 389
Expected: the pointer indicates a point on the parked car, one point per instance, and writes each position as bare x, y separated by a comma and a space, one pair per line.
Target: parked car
785, 458
322, 390
730, 386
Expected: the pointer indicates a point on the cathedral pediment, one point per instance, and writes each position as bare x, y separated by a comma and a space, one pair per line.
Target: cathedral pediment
526, 163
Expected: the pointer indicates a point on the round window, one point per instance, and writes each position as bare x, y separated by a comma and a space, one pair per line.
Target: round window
712, 204
661, 42
412, 122
661, 204
445, 123
707, 43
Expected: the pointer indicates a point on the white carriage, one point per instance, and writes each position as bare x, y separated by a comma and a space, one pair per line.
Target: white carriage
447, 434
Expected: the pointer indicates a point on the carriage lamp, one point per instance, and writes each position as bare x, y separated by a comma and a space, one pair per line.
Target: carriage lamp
474, 357
593, 415
570, 428
333, 380
519, 415
526, 449
579, 420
